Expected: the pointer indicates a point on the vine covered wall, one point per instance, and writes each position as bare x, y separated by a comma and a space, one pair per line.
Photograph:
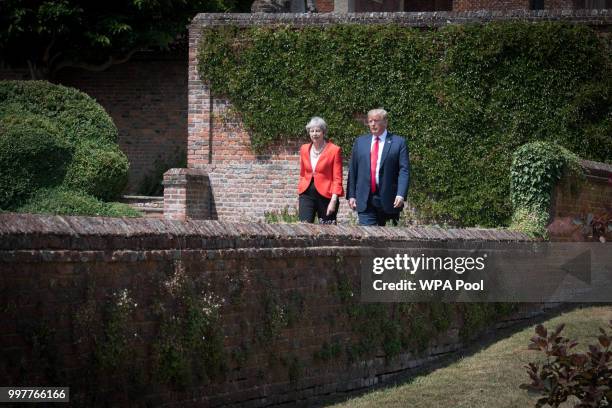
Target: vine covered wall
464, 96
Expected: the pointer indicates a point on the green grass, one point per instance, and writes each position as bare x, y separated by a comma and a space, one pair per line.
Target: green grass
491, 376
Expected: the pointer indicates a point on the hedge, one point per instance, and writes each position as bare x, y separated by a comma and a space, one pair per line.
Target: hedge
464, 96
32, 155
61, 201
64, 138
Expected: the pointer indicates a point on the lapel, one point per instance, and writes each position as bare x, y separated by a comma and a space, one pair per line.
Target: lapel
386, 148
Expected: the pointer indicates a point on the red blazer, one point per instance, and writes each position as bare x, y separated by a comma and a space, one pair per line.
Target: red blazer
328, 174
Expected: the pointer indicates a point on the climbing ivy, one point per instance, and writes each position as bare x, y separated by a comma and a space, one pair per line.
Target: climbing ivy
536, 168
465, 97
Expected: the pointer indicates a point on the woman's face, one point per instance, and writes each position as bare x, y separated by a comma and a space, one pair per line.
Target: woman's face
316, 134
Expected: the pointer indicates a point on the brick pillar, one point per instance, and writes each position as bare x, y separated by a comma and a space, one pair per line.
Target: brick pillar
186, 194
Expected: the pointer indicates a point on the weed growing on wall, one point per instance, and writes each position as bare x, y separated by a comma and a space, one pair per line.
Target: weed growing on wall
189, 348
464, 96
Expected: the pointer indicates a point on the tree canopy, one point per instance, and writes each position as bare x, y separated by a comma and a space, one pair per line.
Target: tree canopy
51, 35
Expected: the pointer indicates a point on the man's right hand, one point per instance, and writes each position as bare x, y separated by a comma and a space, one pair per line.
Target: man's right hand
352, 203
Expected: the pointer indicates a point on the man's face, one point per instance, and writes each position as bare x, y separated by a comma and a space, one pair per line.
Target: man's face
376, 124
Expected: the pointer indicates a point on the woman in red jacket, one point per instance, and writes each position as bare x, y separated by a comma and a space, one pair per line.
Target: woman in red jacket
320, 183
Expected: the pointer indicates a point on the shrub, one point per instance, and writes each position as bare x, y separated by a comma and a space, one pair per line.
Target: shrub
78, 115
60, 201
98, 170
32, 155
536, 168
77, 122
465, 97
586, 376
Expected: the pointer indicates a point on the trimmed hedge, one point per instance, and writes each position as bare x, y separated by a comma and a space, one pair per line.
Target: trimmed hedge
464, 96
56, 136
32, 155
98, 169
60, 201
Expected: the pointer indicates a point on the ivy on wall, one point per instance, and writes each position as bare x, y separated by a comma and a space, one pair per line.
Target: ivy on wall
465, 97
536, 169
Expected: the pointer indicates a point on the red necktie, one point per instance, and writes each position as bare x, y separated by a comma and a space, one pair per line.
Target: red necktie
373, 162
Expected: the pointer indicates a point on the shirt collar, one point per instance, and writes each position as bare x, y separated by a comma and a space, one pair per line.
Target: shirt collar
381, 137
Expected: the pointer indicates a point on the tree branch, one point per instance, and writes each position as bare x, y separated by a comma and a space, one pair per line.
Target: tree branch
94, 67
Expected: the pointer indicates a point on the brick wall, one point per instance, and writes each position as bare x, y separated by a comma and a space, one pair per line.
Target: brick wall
63, 278
472, 5
577, 205
245, 185
147, 99
324, 6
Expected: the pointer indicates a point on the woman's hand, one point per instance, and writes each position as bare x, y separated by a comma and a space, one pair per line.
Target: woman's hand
331, 207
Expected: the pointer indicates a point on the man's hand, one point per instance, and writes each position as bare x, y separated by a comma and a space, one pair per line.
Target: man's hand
399, 202
352, 204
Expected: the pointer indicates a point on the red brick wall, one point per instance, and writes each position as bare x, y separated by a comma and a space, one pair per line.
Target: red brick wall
147, 99
60, 277
577, 205
324, 6
470, 5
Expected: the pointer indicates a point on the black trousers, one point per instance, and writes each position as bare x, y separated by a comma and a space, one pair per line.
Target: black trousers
312, 203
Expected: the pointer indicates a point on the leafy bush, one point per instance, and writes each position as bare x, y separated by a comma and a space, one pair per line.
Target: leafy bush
536, 168
92, 161
586, 376
61, 201
77, 115
465, 97
32, 155
99, 170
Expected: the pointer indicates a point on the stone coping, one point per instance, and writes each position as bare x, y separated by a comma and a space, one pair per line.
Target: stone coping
600, 17
40, 232
597, 168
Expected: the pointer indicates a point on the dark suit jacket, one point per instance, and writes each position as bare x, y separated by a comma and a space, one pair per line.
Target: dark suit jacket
393, 176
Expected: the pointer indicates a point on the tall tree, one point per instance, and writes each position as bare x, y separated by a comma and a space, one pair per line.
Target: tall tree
54, 34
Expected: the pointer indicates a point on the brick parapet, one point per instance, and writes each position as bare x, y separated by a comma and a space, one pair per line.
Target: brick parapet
23, 232
600, 17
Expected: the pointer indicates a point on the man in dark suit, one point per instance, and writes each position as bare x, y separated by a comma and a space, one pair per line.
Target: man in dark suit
379, 172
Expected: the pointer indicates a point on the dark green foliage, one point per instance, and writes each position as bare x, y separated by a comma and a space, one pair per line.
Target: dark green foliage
477, 317
54, 34
536, 168
98, 169
465, 97
61, 201
566, 373
57, 136
77, 116
32, 156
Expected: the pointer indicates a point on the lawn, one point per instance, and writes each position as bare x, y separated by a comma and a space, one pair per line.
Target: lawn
491, 376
